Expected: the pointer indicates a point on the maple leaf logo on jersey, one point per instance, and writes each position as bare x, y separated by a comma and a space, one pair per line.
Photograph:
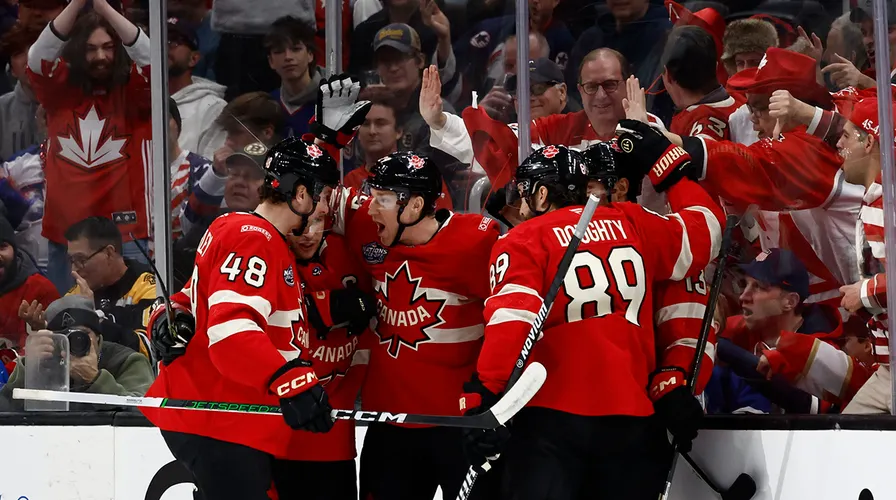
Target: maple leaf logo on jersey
550, 151
314, 151
94, 147
405, 312
417, 162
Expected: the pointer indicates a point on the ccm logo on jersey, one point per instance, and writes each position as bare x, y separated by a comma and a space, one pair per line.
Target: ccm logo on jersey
256, 229
660, 167
296, 383
369, 416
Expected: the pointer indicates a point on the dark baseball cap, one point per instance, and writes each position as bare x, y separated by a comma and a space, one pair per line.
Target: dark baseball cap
181, 29
254, 152
541, 70
399, 36
72, 311
780, 268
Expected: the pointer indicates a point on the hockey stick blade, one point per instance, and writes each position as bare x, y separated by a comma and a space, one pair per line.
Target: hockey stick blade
532, 380
743, 488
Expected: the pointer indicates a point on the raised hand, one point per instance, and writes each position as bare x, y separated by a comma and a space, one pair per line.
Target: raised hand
431, 99
635, 104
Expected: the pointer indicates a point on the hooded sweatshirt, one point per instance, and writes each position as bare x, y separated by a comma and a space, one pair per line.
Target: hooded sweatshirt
18, 125
299, 108
199, 104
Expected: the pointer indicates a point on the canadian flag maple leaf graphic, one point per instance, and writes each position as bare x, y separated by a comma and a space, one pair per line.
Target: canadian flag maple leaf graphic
93, 148
406, 312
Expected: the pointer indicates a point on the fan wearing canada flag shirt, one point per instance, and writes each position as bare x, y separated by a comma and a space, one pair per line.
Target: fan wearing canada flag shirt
430, 276
599, 331
791, 175
98, 124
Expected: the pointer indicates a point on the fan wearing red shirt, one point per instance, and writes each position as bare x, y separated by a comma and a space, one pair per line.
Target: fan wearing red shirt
378, 137
98, 123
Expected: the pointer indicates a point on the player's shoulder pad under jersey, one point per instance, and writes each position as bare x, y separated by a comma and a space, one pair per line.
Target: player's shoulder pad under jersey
244, 231
473, 225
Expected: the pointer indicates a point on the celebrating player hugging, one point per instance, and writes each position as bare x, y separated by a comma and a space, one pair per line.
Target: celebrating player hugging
325, 292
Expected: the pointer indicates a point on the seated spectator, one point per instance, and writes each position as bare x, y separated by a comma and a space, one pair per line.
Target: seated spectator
196, 188
197, 13
98, 366
487, 47
18, 108
81, 72
431, 33
199, 101
252, 117
844, 73
121, 288
245, 175
378, 137
20, 284
25, 171
291, 49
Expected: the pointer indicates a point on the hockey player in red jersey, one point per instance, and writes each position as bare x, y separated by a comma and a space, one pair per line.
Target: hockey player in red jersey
570, 442
430, 277
689, 61
251, 335
322, 466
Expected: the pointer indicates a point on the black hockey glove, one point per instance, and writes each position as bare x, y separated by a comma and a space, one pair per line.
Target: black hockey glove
337, 116
678, 409
348, 306
647, 151
481, 446
168, 345
303, 401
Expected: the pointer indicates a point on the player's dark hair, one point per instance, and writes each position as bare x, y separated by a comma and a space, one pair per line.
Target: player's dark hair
287, 31
271, 195
691, 59
75, 54
99, 231
561, 197
255, 110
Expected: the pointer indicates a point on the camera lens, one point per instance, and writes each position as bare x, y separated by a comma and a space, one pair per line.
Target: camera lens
78, 342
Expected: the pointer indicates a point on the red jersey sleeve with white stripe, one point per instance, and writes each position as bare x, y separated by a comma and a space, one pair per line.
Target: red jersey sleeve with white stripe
818, 367
679, 307
795, 172
874, 289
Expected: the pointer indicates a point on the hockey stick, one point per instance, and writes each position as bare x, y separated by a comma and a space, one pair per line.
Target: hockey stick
743, 487
587, 213
512, 401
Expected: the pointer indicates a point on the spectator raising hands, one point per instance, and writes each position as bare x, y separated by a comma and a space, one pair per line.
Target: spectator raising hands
845, 74
431, 99
435, 19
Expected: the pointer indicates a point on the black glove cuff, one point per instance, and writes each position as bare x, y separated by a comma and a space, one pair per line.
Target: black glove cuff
694, 147
295, 363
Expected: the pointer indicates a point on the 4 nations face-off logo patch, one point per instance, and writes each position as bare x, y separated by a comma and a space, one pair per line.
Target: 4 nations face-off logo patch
405, 312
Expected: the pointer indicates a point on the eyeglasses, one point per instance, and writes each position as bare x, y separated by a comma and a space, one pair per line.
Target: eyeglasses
609, 86
80, 262
535, 89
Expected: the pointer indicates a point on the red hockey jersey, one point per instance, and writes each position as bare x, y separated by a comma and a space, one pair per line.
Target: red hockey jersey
599, 332
250, 320
707, 118
430, 299
339, 360
99, 147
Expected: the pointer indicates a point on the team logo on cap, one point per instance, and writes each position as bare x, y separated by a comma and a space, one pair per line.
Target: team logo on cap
67, 320
314, 151
255, 149
550, 151
417, 162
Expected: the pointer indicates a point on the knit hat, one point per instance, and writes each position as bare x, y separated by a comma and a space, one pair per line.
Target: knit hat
7, 233
746, 35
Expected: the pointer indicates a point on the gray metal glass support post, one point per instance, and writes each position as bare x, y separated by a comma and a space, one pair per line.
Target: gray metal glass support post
885, 113
522, 80
333, 24
161, 172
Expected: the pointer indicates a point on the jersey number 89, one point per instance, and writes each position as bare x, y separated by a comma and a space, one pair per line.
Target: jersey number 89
587, 283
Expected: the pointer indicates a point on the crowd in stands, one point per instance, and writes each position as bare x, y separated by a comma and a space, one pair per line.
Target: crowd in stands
775, 100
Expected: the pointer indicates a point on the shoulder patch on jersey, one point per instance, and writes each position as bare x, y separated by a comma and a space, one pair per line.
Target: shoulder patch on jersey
317, 271
289, 276
374, 253
250, 228
483, 226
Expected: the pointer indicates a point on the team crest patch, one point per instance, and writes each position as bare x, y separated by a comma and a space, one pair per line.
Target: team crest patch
314, 151
551, 151
374, 253
255, 149
289, 276
317, 271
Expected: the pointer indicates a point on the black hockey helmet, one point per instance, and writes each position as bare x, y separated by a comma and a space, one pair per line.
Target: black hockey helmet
606, 164
408, 174
293, 162
561, 169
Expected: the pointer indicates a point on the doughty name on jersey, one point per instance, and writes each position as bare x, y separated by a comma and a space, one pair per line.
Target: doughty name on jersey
597, 230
